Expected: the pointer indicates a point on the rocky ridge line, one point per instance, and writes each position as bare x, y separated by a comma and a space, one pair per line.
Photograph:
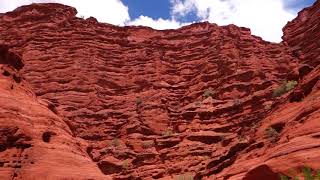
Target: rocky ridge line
158, 104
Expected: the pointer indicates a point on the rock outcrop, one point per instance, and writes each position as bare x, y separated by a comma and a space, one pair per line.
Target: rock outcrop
35, 143
96, 101
302, 35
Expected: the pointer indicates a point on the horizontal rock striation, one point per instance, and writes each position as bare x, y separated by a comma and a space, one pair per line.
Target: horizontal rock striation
296, 143
148, 104
35, 143
302, 35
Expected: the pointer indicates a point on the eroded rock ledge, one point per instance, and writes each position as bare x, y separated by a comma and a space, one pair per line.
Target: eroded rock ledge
98, 101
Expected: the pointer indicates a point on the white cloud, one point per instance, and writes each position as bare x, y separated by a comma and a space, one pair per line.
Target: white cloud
265, 18
9, 5
156, 24
110, 11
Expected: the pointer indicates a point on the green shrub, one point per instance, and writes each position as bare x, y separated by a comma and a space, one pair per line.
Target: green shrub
284, 87
284, 177
291, 85
318, 174
307, 172
279, 91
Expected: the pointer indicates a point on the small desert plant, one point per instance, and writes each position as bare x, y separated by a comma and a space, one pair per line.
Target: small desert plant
291, 85
206, 158
139, 101
167, 133
318, 175
279, 91
207, 93
255, 125
284, 87
115, 142
272, 134
148, 144
184, 177
268, 107
125, 164
307, 173
284, 177
242, 138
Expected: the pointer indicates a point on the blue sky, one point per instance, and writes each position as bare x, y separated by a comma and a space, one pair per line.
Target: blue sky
297, 5
155, 9
161, 8
265, 18
152, 8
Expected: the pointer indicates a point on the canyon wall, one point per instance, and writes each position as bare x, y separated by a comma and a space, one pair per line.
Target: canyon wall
97, 101
35, 143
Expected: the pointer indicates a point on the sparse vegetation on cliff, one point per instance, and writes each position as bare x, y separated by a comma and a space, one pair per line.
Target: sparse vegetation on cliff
184, 177
125, 165
307, 172
147, 144
284, 88
167, 133
139, 102
115, 142
272, 134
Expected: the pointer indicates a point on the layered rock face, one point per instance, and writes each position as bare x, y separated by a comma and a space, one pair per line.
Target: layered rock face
302, 35
136, 103
35, 143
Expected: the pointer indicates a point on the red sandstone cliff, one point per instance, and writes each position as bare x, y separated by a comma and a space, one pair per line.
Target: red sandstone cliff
96, 101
